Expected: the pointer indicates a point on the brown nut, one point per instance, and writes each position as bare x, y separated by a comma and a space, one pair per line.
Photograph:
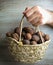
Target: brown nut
23, 34
17, 30
15, 36
43, 35
46, 37
28, 36
33, 43
35, 38
27, 42
40, 41
8, 34
28, 30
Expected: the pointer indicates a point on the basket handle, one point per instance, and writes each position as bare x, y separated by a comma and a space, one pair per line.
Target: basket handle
36, 27
40, 34
21, 25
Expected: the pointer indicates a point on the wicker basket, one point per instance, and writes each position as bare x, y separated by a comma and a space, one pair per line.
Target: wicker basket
27, 53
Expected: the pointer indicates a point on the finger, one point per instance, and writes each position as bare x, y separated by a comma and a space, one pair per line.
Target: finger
34, 21
38, 23
33, 16
31, 11
26, 10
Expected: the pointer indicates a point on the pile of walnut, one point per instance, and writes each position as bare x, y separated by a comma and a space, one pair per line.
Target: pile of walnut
29, 36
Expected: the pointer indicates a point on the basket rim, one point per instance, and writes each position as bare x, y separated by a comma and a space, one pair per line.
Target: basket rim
27, 45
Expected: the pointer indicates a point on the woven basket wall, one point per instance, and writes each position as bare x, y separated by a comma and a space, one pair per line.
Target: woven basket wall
27, 53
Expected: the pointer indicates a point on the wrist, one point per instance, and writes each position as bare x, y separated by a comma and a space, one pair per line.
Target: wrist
50, 17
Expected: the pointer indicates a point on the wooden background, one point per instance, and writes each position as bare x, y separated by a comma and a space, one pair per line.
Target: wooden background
10, 15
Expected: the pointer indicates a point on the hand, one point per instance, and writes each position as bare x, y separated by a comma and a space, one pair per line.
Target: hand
37, 15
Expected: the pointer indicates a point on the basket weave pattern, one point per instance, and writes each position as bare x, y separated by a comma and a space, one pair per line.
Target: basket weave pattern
27, 53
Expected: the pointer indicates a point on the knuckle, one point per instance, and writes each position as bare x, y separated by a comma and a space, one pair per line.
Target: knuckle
37, 6
41, 22
34, 7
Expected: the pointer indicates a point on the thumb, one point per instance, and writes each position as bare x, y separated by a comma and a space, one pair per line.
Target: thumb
26, 10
